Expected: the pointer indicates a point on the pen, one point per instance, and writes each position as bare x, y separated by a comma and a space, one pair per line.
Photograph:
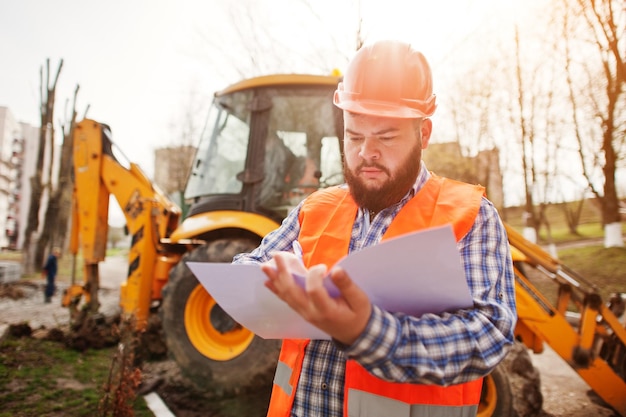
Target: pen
297, 249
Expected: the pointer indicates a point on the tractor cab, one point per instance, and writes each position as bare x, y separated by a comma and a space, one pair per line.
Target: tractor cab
268, 143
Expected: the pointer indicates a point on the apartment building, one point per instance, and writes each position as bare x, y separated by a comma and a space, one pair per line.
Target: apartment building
447, 159
18, 150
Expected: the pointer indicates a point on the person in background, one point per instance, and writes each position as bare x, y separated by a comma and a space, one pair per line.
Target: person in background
50, 272
379, 362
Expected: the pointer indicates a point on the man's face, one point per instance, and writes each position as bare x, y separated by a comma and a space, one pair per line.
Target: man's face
382, 157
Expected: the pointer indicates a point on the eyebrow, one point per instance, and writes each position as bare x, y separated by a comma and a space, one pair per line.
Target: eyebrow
377, 133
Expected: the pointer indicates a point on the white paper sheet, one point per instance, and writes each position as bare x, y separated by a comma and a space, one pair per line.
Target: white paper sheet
416, 273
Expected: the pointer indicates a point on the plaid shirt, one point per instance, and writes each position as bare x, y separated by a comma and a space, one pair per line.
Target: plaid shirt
442, 349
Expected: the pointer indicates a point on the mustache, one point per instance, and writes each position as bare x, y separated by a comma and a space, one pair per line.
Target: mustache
371, 165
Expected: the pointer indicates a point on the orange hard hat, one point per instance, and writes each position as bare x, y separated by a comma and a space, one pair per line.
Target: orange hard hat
389, 79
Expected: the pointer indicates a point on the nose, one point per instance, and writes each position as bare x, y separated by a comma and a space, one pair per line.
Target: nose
369, 149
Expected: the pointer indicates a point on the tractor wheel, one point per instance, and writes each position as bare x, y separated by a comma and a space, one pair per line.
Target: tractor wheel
513, 388
213, 351
496, 399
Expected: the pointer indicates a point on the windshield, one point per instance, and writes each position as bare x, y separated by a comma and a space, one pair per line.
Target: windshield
302, 152
222, 150
296, 148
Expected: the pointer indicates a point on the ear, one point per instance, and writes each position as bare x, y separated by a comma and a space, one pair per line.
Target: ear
426, 129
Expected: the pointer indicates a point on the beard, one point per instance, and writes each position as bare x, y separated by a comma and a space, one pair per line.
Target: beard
392, 190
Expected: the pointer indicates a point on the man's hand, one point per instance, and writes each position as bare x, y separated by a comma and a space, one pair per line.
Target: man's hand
344, 318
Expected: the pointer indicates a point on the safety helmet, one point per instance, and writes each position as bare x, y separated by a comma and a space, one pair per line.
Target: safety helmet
389, 79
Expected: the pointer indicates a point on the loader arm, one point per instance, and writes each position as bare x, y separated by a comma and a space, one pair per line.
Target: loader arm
150, 219
594, 345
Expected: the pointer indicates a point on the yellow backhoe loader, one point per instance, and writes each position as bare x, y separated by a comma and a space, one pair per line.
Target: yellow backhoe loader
268, 143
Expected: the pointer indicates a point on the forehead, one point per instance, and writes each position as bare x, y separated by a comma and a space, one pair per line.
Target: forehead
357, 121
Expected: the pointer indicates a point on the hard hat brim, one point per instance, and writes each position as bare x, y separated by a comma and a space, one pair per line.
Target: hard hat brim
402, 110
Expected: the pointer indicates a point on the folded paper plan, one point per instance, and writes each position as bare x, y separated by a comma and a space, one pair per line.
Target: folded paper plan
416, 273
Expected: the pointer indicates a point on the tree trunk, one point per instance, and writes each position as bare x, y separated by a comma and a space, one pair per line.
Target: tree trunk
56, 220
611, 217
46, 134
606, 33
572, 213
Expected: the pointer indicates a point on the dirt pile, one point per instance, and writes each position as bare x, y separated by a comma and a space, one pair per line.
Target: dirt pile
93, 332
23, 329
19, 330
16, 290
161, 376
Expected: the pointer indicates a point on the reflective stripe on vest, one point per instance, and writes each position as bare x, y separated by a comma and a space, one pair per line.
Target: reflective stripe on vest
286, 376
363, 404
282, 376
326, 221
366, 395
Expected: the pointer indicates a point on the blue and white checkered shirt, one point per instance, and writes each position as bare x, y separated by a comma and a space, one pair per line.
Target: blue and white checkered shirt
442, 349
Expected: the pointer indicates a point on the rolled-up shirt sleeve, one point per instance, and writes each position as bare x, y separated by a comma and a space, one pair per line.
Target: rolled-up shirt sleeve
280, 239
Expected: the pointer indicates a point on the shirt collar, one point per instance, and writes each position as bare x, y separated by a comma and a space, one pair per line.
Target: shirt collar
422, 177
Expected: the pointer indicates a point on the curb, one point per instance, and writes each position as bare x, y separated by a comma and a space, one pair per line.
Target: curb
157, 406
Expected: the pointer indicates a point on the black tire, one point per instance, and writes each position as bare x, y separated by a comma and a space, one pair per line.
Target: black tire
496, 398
517, 387
251, 369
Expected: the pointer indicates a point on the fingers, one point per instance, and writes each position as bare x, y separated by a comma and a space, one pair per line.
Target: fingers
353, 294
344, 317
269, 269
315, 278
281, 282
356, 299
319, 297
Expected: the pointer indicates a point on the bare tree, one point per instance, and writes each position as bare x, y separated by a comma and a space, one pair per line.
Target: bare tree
596, 81
172, 164
59, 207
525, 103
46, 139
511, 98
492, 111
572, 212
359, 34
257, 44
475, 110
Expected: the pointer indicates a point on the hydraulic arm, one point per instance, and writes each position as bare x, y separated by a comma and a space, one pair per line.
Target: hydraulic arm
150, 219
593, 345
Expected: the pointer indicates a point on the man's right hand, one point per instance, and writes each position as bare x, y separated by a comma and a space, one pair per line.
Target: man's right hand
343, 318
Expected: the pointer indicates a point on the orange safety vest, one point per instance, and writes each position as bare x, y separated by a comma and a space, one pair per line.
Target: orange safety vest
326, 220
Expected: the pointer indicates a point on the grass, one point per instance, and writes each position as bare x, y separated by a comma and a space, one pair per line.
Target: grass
597, 267
603, 267
588, 228
44, 378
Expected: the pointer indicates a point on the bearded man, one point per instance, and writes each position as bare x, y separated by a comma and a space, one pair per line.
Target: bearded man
378, 362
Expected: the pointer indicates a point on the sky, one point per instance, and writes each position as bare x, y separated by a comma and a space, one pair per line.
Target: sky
138, 62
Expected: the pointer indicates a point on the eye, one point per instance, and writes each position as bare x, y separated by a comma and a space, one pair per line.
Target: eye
387, 138
354, 138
